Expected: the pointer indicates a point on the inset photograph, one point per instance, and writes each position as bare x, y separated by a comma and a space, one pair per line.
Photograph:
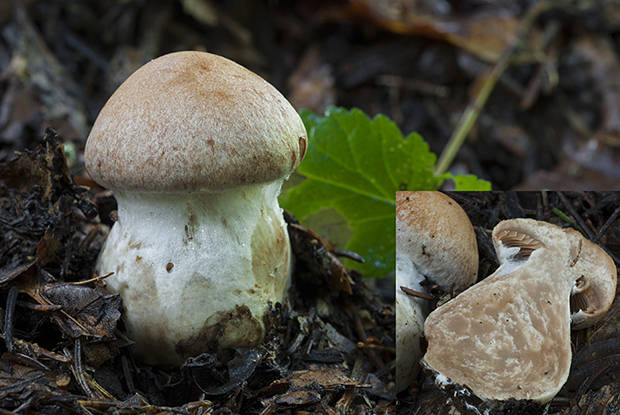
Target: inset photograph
505, 302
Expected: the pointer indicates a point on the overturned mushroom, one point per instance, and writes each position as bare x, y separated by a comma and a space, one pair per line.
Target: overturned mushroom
508, 337
195, 148
435, 241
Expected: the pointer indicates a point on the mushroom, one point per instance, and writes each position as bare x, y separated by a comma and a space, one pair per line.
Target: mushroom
195, 148
508, 337
435, 241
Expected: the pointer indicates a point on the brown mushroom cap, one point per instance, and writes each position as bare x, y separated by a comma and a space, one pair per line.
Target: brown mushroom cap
508, 337
194, 121
438, 237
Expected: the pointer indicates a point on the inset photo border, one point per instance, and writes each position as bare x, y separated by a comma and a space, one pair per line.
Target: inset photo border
505, 301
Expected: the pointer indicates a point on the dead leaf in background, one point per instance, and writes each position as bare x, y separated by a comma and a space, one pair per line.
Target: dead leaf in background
597, 402
297, 398
569, 175
204, 367
201, 10
39, 199
485, 34
599, 150
76, 309
604, 68
18, 110
42, 71
312, 83
302, 387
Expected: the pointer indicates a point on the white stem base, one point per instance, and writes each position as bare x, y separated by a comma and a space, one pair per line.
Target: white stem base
197, 271
410, 315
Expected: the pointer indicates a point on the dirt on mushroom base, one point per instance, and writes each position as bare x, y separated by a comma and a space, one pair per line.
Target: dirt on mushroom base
330, 347
592, 385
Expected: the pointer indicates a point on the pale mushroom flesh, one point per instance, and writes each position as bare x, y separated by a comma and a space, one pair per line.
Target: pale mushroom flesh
508, 337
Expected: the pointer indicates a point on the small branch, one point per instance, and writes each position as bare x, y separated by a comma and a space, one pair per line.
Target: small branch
77, 369
349, 254
94, 279
585, 228
8, 318
414, 293
378, 347
606, 225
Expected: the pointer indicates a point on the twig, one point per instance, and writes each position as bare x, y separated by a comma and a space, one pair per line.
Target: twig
393, 81
600, 366
94, 279
25, 405
8, 318
349, 254
533, 89
603, 230
345, 401
25, 348
75, 321
78, 370
415, 293
378, 347
21, 383
32, 360
471, 113
127, 374
361, 333
576, 216
40, 307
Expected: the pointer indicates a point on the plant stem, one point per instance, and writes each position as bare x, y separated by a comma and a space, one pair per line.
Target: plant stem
471, 113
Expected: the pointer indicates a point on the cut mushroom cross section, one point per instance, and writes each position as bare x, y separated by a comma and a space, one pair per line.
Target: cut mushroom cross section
508, 337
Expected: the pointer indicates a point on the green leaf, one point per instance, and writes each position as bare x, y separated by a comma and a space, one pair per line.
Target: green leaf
469, 182
355, 165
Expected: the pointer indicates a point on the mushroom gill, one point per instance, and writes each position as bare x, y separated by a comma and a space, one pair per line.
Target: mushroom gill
517, 239
594, 287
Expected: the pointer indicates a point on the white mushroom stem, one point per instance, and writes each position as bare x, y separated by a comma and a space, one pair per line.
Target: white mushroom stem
192, 268
410, 315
